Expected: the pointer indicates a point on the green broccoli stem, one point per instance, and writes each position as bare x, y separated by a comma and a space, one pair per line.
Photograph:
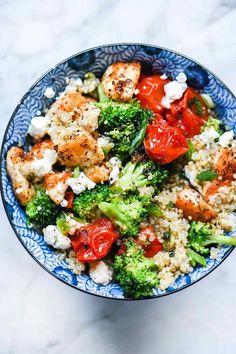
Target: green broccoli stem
149, 263
101, 95
116, 214
154, 210
221, 239
196, 258
130, 176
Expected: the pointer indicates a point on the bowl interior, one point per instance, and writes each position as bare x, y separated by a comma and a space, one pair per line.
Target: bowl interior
154, 60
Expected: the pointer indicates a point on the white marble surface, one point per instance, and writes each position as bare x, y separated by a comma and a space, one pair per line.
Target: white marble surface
38, 313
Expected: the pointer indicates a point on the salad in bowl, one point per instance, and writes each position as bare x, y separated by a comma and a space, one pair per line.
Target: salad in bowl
129, 178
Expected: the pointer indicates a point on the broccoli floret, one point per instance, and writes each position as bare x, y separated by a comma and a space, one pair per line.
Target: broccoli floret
212, 123
86, 203
196, 258
136, 175
136, 274
125, 123
125, 212
41, 210
201, 236
101, 95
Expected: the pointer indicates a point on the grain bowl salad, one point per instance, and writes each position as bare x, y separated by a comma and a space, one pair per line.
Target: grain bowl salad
130, 178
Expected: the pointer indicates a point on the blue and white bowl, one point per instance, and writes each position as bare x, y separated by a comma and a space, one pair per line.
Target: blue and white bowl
154, 60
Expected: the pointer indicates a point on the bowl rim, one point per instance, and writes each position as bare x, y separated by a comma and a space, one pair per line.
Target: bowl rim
1, 181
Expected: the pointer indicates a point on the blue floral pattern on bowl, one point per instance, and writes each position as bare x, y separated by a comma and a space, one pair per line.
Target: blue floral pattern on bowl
154, 60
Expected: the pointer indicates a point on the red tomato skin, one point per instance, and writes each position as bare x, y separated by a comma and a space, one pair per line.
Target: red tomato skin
184, 117
164, 143
153, 248
69, 196
121, 249
192, 123
151, 92
150, 247
93, 241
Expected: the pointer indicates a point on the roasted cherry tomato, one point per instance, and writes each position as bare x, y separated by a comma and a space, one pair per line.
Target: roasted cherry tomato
164, 143
188, 114
191, 123
153, 248
93, 241
150, 247
69, 196
122, 249
191, 99
151, 92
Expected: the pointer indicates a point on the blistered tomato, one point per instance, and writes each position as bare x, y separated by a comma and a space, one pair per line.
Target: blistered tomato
151, 92
164, 143
93, 241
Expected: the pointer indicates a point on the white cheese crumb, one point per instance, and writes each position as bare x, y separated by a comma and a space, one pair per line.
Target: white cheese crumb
55, 238
181, 78
164, 76
80, 184
214, 252
100, 272
43, 166
174, 90
191, 172
103, 141
226, 138
115, 163
74, 85
49, 92
38, 127
64, 203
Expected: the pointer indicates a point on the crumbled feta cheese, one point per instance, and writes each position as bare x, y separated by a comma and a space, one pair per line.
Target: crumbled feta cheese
64, 203
214, 252
191, 172
89, 85
103, 141
181, 77
38, 127
49, 92
80, 184
43, 166
74, 85
164, 76
115, 163
100, 272
174, 90
226, 138
55, 238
